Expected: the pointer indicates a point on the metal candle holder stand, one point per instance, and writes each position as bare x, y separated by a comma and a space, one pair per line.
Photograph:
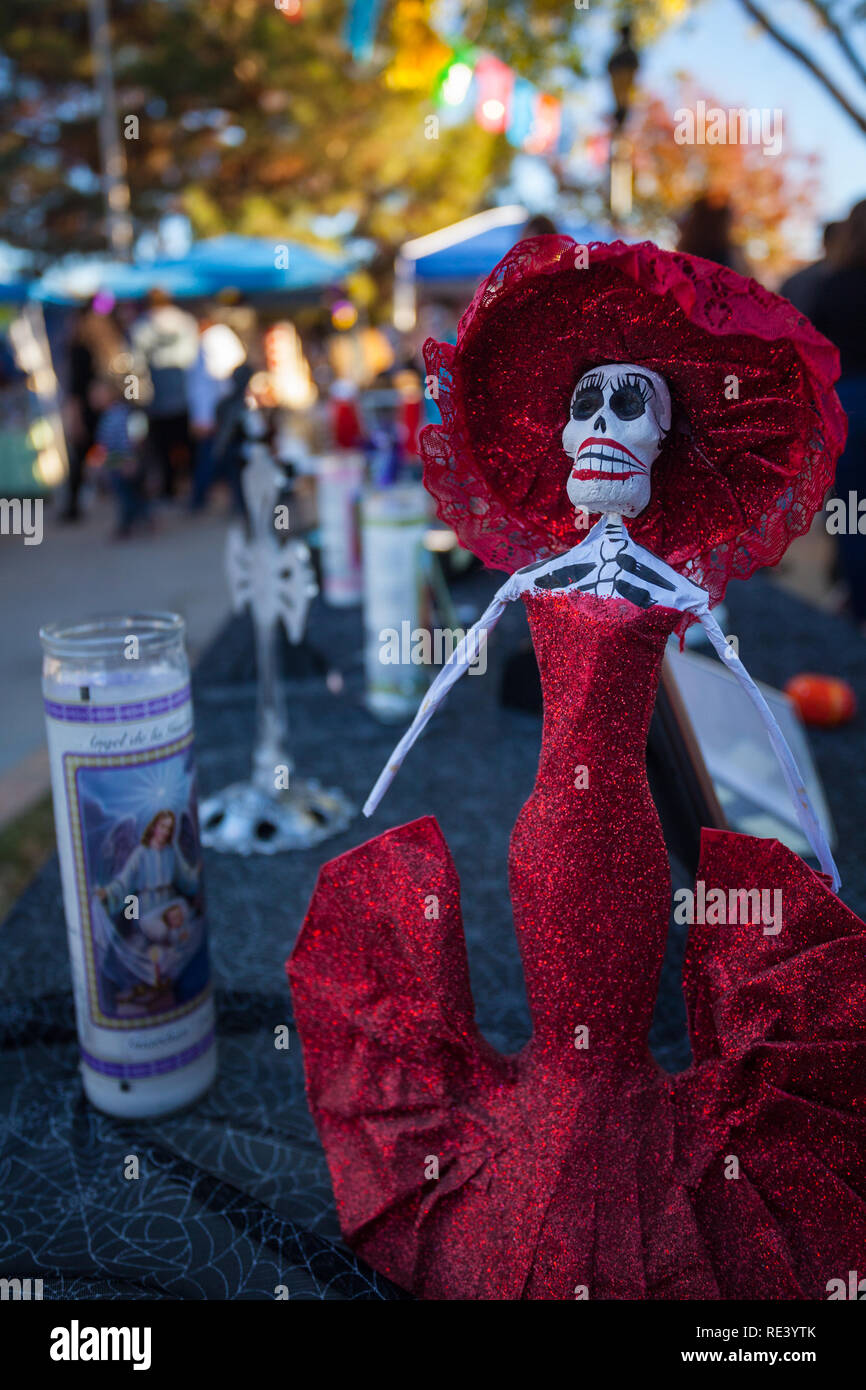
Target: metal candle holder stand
274, 810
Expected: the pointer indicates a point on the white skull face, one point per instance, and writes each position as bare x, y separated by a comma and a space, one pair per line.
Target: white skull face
619, 418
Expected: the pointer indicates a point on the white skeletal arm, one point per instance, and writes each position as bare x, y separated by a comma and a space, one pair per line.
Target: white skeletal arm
467, 651
806, 815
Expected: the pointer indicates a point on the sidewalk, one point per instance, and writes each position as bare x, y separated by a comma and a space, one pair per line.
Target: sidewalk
78, 571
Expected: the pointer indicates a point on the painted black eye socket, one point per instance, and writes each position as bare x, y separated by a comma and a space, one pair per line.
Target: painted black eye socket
587, 402
627, 403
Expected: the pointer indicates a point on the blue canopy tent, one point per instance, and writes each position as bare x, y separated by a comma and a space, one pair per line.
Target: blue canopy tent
253, 265
465, 252
262, 265
70, 282
14, 291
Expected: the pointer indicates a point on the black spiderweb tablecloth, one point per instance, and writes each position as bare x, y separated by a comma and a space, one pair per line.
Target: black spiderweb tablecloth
233, 1199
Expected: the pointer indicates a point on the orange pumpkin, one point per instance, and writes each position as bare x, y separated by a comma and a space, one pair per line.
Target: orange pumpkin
822, 700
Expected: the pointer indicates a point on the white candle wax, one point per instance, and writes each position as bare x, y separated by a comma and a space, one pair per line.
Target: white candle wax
120, 737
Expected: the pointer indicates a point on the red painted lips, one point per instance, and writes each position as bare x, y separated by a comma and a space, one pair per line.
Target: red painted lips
606, 451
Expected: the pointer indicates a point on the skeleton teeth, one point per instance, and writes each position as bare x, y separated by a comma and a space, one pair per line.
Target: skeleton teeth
606, 461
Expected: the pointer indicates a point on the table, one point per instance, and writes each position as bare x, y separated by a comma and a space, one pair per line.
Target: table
233, 1199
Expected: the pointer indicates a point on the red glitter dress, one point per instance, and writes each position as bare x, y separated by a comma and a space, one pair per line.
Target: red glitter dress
577, 1168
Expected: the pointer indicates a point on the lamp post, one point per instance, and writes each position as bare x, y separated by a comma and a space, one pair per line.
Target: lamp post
114, 185
622, 67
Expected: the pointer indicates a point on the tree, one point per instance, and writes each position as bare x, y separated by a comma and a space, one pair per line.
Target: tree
844, 21
769, 195
841, 20
254, 123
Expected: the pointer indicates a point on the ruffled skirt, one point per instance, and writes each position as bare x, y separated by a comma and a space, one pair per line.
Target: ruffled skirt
460, 1173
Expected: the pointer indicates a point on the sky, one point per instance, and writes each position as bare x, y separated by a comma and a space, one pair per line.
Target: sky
722, 48
724, 51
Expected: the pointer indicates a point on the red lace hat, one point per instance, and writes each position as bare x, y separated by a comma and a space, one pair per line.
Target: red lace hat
756, 432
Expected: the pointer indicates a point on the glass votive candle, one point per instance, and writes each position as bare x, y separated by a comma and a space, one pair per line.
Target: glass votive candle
120, 737
394, 521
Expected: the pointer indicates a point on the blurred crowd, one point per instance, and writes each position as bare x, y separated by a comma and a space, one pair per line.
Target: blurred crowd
157, 400
832, 293
153, 402
156, 396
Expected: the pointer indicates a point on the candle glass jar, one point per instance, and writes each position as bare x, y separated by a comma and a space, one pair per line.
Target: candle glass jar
120, 737
393, 522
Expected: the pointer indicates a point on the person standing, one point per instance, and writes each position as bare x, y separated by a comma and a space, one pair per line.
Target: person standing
804, 285
120, 434
96, 350
167, 339
210, 381
230, 437
839, 312
706, 230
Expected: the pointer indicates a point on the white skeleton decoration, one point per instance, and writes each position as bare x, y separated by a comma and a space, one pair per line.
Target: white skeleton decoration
275, 580
619, 418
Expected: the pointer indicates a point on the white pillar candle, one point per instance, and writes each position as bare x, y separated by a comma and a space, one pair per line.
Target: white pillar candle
340, 480
393, 524
120, 738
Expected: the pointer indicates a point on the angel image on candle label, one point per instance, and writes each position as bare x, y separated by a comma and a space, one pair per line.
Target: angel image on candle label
146, 906
600, 390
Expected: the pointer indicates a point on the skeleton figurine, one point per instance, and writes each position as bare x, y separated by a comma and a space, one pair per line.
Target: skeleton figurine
274, 580
619, 418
